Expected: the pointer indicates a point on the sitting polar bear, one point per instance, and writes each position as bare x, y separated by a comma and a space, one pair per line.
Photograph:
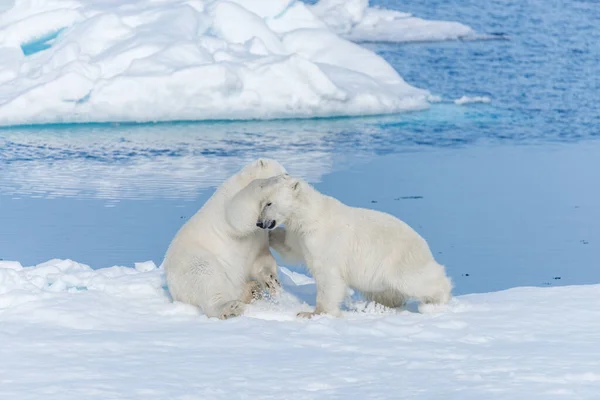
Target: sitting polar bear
219, 259
370, 251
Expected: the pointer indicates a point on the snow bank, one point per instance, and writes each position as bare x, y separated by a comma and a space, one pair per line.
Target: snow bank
356, 21
185, 60
72, 332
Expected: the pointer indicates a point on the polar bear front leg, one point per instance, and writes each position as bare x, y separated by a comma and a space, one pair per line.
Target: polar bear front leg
331, 290
287, 245
264, 271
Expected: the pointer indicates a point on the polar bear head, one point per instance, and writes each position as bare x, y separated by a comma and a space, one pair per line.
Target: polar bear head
280, 203
261, 168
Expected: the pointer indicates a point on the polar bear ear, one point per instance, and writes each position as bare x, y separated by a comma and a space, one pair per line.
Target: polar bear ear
261, 162
296, 186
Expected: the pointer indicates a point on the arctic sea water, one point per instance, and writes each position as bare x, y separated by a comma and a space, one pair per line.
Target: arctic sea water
505, 192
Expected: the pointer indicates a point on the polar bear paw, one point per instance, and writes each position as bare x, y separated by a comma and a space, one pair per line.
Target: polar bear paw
232, 309
307, 314
270, 283
310, 314
253, 291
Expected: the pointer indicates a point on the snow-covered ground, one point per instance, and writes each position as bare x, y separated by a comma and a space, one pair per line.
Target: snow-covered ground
70, 332
97, 61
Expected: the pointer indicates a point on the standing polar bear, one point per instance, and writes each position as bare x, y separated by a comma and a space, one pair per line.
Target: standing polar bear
370, 251
219, 259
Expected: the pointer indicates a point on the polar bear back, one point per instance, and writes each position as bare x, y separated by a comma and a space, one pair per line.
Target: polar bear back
354, 235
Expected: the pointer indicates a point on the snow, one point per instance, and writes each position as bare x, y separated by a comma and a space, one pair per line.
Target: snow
70, 332
163, 60
475, 99
98, 61
356, 21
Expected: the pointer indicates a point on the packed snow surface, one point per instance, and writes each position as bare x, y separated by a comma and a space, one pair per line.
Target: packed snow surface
356, 21
70, 332
132, 60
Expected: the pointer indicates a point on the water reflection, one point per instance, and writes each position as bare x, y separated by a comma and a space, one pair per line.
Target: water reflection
177, 160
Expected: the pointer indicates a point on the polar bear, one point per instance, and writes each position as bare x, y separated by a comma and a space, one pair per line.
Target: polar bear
370, 251
219, 259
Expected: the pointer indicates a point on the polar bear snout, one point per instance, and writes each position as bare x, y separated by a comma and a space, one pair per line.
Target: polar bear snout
267, 224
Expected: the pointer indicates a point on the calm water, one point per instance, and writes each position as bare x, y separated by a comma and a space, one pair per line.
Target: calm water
506, 193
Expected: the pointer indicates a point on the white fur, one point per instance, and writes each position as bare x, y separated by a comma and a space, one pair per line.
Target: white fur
219, 258
370, 251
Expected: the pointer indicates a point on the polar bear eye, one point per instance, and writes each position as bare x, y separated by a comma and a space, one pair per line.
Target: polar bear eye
268, 204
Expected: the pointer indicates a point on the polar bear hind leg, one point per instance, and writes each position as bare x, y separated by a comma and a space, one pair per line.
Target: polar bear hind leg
206, 285
235, 308
390, 298
428, 284
253, 290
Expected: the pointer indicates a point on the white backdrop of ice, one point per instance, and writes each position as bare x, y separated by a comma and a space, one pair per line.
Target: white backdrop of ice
187, 60
70, 332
